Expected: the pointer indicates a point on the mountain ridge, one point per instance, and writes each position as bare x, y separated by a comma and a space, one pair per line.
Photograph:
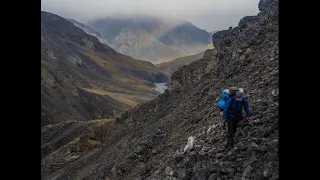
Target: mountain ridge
75, 65
89, 31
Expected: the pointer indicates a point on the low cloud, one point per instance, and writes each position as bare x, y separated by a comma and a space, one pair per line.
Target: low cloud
206, 14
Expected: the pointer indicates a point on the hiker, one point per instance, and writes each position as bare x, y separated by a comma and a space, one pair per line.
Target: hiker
232, 113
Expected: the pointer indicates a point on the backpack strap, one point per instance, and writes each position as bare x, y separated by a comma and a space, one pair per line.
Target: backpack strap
242, 102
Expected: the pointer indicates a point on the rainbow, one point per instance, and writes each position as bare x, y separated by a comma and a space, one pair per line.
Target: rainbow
154, 36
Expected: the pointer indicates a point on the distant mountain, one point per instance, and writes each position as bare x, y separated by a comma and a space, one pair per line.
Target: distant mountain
186, 38
138, 43
151, 38
82, 79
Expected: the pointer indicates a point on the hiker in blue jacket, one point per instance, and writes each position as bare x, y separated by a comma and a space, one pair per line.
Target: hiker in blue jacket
232, 113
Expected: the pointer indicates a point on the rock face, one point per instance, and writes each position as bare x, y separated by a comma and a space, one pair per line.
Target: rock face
150, 138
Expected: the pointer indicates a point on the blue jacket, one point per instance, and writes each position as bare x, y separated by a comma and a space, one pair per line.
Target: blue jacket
236, 107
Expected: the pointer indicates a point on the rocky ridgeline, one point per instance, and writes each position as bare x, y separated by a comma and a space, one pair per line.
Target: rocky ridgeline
177, 136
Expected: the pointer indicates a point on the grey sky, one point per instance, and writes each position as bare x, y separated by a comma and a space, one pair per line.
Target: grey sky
206, 14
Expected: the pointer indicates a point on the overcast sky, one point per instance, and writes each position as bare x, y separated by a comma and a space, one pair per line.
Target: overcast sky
206, 14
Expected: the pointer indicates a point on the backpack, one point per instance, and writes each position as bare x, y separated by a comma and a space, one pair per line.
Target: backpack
224, 99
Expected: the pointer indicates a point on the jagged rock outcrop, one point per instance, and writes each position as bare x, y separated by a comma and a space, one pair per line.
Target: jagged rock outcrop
268, 5
152, 137
246, 20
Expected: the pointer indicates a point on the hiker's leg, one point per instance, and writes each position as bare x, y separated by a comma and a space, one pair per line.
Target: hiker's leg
236, 121
230, 122
235, 126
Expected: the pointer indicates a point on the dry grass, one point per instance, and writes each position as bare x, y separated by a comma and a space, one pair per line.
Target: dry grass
93, 143
123, 98
109, 66
96, 59
116, 74
144, 87
101, 122
125, 80
140, 84
123, 88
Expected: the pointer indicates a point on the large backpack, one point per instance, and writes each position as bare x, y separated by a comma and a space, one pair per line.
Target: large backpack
224, 99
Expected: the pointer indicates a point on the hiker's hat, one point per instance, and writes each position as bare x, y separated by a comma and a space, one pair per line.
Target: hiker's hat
238, 96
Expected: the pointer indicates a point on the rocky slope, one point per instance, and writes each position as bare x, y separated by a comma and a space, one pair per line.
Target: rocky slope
177, 136
80, 75
139, 36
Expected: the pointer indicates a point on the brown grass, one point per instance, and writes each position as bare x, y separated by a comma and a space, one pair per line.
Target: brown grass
93, 143
109, 66
144, 87
125, 80
124, 98
101, 122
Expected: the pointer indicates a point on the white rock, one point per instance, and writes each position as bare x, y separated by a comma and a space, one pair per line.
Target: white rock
189, 144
